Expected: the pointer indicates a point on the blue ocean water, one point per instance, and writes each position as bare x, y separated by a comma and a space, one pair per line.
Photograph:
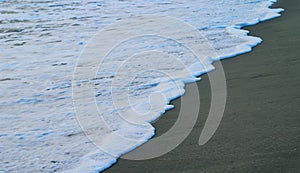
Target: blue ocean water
40, 43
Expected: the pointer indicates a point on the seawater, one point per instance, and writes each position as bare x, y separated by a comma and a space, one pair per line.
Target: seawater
40, 43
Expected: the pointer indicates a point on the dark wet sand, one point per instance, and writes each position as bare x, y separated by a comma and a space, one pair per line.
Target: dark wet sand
260, 130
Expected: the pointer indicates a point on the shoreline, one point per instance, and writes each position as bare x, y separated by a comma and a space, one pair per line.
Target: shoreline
259, 131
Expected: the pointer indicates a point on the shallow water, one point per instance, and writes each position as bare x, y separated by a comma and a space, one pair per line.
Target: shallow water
40, 43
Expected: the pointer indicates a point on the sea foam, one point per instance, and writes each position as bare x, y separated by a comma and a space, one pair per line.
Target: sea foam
42, 42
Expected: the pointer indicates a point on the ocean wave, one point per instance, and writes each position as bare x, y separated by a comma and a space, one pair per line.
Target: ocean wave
42, 41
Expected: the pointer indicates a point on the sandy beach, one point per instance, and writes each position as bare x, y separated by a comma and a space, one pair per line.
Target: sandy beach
260, 129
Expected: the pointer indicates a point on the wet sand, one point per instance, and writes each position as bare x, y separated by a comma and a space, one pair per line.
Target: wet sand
260, 130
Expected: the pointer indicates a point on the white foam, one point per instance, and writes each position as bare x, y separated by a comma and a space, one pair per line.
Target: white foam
39, 130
